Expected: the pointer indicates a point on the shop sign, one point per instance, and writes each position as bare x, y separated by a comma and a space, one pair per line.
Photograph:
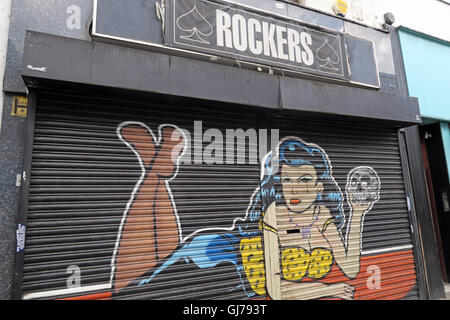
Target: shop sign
229, 30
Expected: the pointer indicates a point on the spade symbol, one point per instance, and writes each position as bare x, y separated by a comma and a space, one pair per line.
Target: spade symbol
196, 25
328, 55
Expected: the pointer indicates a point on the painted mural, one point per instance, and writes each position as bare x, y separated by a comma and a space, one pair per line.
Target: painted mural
308, 237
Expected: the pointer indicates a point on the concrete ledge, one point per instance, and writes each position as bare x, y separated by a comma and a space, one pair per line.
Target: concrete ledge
58, 58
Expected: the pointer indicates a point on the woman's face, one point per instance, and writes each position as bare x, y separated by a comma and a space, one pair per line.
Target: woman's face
300, 187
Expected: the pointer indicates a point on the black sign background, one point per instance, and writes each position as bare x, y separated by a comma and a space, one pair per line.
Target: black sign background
191, 25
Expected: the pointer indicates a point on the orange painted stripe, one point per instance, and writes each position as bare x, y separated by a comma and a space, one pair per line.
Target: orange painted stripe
398, 276
96, 296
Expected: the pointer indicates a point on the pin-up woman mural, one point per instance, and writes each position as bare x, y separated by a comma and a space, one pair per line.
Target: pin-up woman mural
301, 195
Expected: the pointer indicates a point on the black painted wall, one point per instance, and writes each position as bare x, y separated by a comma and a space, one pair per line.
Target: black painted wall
11, 151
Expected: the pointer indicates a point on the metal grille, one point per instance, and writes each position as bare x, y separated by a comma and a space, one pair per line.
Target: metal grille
362, 162
110, 216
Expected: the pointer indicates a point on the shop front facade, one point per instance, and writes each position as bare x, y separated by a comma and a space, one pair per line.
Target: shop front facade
233, 152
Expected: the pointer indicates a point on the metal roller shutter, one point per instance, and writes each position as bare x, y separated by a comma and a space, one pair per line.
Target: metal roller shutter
111, 216
362, 162
83, 177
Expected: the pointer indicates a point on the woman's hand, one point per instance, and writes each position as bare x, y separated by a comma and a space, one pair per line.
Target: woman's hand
344, 291
319, 290
359, 208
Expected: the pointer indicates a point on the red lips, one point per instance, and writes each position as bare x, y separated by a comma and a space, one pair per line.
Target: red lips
295, 201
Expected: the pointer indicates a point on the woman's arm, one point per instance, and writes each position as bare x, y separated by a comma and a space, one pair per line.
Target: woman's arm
272, 253
347, 251
313, 290
317, 290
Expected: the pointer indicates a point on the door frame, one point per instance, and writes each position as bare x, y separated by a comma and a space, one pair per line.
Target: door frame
24, 191
431, 285
432, 198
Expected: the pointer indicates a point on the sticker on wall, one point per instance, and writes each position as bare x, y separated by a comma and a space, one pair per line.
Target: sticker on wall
19, 107
20, 238
340, 8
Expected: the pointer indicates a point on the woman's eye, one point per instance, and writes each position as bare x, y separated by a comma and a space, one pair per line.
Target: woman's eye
287, 180
305, 179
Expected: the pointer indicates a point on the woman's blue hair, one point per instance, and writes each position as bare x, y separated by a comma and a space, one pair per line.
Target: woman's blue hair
295, 153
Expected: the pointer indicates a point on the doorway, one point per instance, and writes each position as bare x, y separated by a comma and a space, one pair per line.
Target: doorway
436, 172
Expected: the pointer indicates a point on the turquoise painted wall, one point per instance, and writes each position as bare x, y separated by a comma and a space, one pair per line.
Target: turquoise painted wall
427, 66
445, 131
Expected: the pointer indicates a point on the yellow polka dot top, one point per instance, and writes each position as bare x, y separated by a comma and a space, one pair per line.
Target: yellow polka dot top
296, 263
